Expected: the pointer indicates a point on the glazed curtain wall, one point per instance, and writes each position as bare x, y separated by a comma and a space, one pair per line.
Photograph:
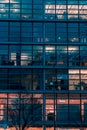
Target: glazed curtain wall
32, 79
40, 55
44, 9
39, 32
60, 109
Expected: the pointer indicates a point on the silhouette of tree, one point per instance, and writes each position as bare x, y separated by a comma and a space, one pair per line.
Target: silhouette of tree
24, 111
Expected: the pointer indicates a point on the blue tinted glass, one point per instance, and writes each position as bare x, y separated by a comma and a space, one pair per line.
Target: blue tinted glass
37, 1
27, 1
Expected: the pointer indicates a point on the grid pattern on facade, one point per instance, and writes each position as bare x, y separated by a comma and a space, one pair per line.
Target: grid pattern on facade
44, 9
43, 64
40, 32
28, 109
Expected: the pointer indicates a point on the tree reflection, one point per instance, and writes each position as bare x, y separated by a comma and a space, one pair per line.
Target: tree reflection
24, 112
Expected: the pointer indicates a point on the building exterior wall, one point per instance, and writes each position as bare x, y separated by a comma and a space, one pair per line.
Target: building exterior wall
43, 55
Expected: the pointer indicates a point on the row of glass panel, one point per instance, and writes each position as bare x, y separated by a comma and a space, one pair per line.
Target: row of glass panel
43, 9
39, 79
43, 32
64, 114
45, 1
36, 15
60, 109
50, 55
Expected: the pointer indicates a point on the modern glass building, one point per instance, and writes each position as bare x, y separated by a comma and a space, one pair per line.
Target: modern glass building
43, 64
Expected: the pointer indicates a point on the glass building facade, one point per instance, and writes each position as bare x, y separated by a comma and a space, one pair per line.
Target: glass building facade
43, 64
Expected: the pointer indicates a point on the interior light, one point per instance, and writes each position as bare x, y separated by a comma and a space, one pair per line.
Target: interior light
2, 10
